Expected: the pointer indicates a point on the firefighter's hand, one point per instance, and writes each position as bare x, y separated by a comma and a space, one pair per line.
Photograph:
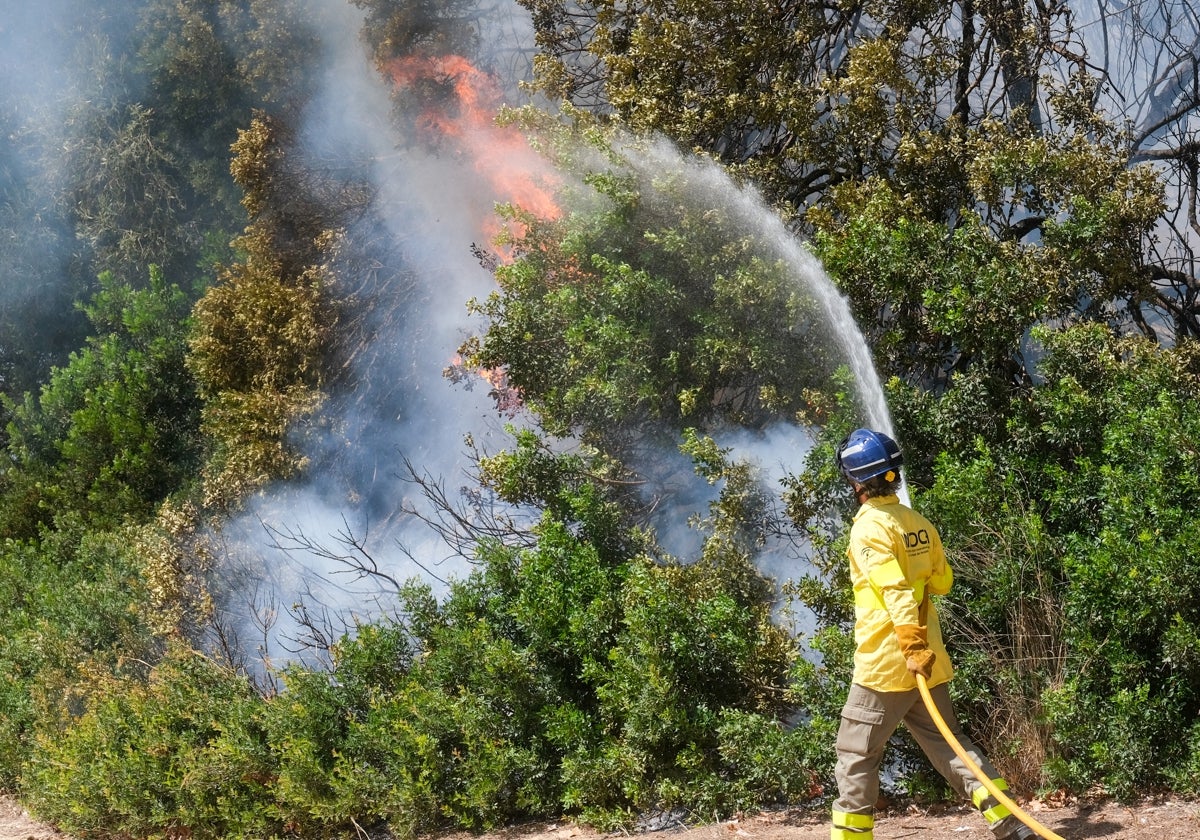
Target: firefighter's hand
921, 662
914, 644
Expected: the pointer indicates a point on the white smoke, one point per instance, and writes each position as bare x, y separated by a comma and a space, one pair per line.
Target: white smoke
38, 45
306, 546
320, 555
301, 549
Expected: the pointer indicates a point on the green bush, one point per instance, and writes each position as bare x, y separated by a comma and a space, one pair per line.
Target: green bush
70, 605
115, 430
1071, 536
457, 741
183, 752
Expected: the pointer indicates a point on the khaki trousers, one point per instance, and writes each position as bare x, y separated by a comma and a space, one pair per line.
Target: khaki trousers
869, 718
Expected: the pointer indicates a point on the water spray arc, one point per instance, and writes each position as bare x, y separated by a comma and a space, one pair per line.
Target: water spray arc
435, 204
717, 187
745, 201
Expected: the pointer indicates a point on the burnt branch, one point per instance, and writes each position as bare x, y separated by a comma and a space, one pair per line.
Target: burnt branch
464, 520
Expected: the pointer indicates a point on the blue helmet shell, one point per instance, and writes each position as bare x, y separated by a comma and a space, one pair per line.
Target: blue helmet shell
865, 454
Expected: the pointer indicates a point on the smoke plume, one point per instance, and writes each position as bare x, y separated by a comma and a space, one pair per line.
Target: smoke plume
329, 552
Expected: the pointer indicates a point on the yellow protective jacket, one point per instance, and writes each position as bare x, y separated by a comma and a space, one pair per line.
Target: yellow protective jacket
896, 562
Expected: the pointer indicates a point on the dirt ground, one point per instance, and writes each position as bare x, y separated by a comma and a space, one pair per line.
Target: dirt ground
1167, 819
1164, 819
16, 824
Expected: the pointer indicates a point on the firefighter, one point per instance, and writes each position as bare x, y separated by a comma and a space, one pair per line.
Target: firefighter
896, 563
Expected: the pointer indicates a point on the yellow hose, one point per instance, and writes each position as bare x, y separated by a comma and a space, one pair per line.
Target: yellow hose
975, 768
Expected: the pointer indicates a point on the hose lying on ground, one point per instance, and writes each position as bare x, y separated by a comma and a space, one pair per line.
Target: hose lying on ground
975, 768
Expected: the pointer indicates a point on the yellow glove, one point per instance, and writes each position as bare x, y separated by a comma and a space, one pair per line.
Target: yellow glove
914, 644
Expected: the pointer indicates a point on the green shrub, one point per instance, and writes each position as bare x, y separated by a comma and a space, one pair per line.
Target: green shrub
1071, 536
70, 605
456, 740
184, 752
115, 430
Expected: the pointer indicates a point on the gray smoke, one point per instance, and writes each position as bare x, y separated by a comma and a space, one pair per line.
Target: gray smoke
310, 559
37, 87
331, 552
320, 556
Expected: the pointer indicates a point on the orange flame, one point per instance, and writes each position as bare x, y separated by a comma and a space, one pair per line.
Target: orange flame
500, 154
507, 397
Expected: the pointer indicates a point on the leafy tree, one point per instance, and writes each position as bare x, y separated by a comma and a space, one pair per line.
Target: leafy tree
120, 156
429, 27
655, 304
799, 97
115, 431
261, 331
38, 325
814, 104
967, 298
1147, 86
128, 192
209, 66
